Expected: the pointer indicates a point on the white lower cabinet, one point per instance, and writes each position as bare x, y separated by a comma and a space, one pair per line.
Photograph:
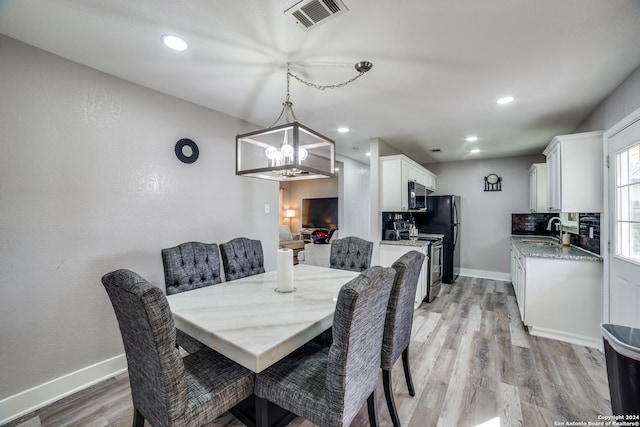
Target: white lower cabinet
518, 279
559, 298
389, 253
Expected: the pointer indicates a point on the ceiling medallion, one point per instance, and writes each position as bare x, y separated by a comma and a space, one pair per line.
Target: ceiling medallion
290, 151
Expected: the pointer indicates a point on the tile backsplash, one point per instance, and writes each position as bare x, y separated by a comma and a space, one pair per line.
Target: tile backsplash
589, 232
532, 224
588, 236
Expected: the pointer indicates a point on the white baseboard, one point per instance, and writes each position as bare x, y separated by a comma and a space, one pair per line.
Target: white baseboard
567, 337
41, 395
492, 275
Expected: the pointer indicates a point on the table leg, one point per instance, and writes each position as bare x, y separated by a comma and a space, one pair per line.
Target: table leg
246, 412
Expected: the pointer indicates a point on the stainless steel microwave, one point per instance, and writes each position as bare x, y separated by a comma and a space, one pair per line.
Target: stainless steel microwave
417, 196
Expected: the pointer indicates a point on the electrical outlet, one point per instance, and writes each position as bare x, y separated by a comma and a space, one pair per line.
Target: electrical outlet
266, 208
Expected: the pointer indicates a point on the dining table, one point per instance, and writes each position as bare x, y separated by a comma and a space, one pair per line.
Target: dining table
252, 323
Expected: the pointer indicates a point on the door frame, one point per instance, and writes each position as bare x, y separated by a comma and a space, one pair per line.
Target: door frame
606, 224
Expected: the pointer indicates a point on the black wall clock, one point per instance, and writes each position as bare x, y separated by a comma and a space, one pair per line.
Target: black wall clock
187, 150
492, 182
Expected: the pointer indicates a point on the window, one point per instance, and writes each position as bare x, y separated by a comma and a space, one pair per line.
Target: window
628, 203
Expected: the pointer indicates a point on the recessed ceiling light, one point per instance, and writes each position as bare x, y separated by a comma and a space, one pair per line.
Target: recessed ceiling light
174, 42
343, 129
475, 150
336, 169
368, 154
505, 100
472, 138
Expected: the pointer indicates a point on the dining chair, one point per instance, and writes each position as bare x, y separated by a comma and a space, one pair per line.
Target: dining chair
329, 385
350, 253
398, 324
242, 257
168, 390
190, 266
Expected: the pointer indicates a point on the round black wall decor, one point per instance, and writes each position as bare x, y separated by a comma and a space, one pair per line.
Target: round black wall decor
187, 150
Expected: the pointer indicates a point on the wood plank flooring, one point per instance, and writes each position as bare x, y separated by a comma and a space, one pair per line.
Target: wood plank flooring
473, 364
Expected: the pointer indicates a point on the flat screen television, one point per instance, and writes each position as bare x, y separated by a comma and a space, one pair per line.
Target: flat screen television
320, 213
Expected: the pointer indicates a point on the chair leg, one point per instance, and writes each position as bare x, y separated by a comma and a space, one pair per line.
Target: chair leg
373, 413
262, 412
138, 418
388, 394
407, 371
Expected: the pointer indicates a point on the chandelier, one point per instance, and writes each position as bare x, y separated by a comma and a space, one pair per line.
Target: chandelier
290, 151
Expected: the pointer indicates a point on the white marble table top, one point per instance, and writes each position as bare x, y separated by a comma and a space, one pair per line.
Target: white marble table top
251, 323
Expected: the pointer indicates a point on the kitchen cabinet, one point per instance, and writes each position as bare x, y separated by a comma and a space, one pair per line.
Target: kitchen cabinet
390, 253
395, 172
558, 297
575, 173
538, 187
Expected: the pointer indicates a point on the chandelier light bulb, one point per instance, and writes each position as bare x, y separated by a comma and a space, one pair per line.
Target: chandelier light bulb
271, 153
302, 154
287, 150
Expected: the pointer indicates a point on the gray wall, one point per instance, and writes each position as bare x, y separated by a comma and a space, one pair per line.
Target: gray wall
486, 216
622, 102
89, 183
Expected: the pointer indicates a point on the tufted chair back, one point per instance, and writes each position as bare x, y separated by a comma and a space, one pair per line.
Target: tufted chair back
190, 266
156, 370
168, 390
242, 257
351, 253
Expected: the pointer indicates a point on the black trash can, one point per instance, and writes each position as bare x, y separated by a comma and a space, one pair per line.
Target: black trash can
622, 353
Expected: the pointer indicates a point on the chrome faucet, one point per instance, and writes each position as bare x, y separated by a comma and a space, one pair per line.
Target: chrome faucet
558, 226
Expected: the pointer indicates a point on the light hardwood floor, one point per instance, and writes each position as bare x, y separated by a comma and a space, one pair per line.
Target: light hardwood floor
473, 363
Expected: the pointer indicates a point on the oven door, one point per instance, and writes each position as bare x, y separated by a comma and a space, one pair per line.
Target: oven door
435, 269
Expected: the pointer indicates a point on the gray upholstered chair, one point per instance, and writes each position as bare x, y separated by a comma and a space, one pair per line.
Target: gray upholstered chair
169, 390
190, 266
242, 257
329, 385
351, 253
398, 323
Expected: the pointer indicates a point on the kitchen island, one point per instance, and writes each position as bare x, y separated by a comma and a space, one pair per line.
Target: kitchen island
558, 289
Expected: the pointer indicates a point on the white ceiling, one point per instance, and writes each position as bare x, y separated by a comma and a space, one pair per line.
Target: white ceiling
439, 65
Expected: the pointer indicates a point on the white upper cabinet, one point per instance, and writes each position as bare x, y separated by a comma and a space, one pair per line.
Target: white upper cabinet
574, 173
395, 173
538, 187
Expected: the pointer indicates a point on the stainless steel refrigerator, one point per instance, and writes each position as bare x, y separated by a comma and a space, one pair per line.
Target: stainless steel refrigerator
443, 217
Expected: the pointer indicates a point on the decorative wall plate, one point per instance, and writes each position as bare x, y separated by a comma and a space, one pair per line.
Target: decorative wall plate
187, 150
492, 182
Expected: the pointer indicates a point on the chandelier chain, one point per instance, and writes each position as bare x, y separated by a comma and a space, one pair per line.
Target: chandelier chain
323, 87
287, 106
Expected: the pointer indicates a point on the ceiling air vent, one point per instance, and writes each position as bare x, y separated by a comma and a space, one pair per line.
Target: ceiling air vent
308, 14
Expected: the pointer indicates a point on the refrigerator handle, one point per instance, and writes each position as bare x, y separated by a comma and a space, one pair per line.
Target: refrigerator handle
455, 211
455, 236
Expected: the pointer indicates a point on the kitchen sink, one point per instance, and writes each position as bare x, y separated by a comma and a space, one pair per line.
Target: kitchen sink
539, 243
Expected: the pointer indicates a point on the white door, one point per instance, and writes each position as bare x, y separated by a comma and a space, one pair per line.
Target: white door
622, 143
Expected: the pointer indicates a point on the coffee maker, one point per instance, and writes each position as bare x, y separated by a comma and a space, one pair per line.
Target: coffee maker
395, 226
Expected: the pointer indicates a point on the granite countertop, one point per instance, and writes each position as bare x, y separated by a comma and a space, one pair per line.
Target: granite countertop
412, 242
535, 246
